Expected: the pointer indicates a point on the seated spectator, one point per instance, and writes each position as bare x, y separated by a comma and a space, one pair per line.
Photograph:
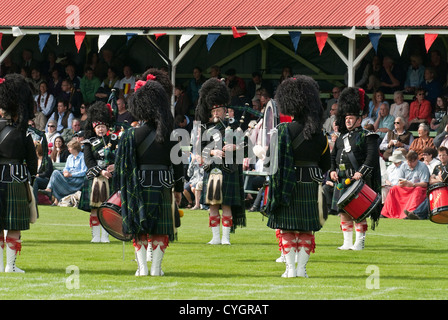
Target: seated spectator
184, 122
71, 179
439, 112
45, 102
392, 76
196, 174
182, 103
70, 71
111, 82
414, 74
194, 85
127, 83
328, 123
430, 158
44, 170
59, 153
432, 86
411, 189
51, 134
423, 141
399, 137
400, 108
422, 211
419, 110
55, 83
236, 84
375, 103
62, 116
89, 85
384, 122
69, 133
83, 117
123, 115
70, 94
257, 82
391, 175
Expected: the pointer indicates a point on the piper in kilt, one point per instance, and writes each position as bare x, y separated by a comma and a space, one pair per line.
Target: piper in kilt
146, 176
303, 156
223, 179
18, 167
354, 156
99, 148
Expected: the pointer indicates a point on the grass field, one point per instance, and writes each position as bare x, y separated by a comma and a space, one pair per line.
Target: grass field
403, 260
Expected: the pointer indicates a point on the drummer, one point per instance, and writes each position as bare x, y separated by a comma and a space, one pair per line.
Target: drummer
354, 156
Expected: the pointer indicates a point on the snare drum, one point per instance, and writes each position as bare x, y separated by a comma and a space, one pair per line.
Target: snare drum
438, 203
109, 215
359, 200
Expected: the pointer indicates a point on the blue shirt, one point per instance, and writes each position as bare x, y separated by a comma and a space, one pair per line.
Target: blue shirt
386, 122
419, 174
76, 165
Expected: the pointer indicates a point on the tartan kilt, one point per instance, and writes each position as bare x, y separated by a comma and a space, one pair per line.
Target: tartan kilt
157, 204
232, 188
86, 190
302, 213
14, 206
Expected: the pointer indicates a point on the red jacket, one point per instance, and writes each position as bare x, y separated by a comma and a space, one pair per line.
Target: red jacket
421, 111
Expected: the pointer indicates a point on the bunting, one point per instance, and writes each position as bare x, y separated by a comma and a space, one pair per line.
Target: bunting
237, 34
43, 38
1, 36
429, 40
184, 39
374, 39
16, 32
350, 34
211, 38
321, 39
264, 34
102, 39
158, 35
401, 40
295, 38
79, 38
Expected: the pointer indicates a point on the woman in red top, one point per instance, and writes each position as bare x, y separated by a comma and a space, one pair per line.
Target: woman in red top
420, 111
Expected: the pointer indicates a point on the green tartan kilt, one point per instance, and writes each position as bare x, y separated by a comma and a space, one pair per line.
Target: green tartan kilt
86, 190
157, 202
232, 188
14, 206
302, 213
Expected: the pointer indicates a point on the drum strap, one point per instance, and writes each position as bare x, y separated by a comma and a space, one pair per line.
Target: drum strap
349, 152
146, 143
298, 141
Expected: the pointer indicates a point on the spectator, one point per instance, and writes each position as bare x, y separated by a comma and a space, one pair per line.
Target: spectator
328, 124
84, 107
439, 112
68, 133
105, 89
127, 83
236, 84
286, 73
419, 110
400, 108
70, 70
384, 122
422, 211
55, 83
257, 82
264, 98
45, 102
423, 141
370, 79
439, 65
59, 153
51, 134
375, 103
415, 74
399, 137
62, 116
36, 79
71, 179
432, 86
44, 170
391, 175
123, 115
89, 85
182, 103
74, 97
184, 122
411, 189
392, 76
215, 72
330, 102
430, 158
195, 84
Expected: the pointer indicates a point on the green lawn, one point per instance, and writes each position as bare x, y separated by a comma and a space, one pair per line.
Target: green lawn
403, 260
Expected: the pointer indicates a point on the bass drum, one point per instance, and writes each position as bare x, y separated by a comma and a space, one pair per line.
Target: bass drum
438, 203
109, 215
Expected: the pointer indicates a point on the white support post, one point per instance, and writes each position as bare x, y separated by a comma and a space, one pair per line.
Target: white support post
350, 62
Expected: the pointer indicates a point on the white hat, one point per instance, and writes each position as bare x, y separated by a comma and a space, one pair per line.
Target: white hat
397, 156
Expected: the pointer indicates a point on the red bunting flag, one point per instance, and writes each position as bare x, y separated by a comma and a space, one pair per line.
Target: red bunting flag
158, 35
321, 39
1, 36
429, 39
79, 38
237, 34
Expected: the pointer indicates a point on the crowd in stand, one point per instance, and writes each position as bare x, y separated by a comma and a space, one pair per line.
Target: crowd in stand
407, 127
